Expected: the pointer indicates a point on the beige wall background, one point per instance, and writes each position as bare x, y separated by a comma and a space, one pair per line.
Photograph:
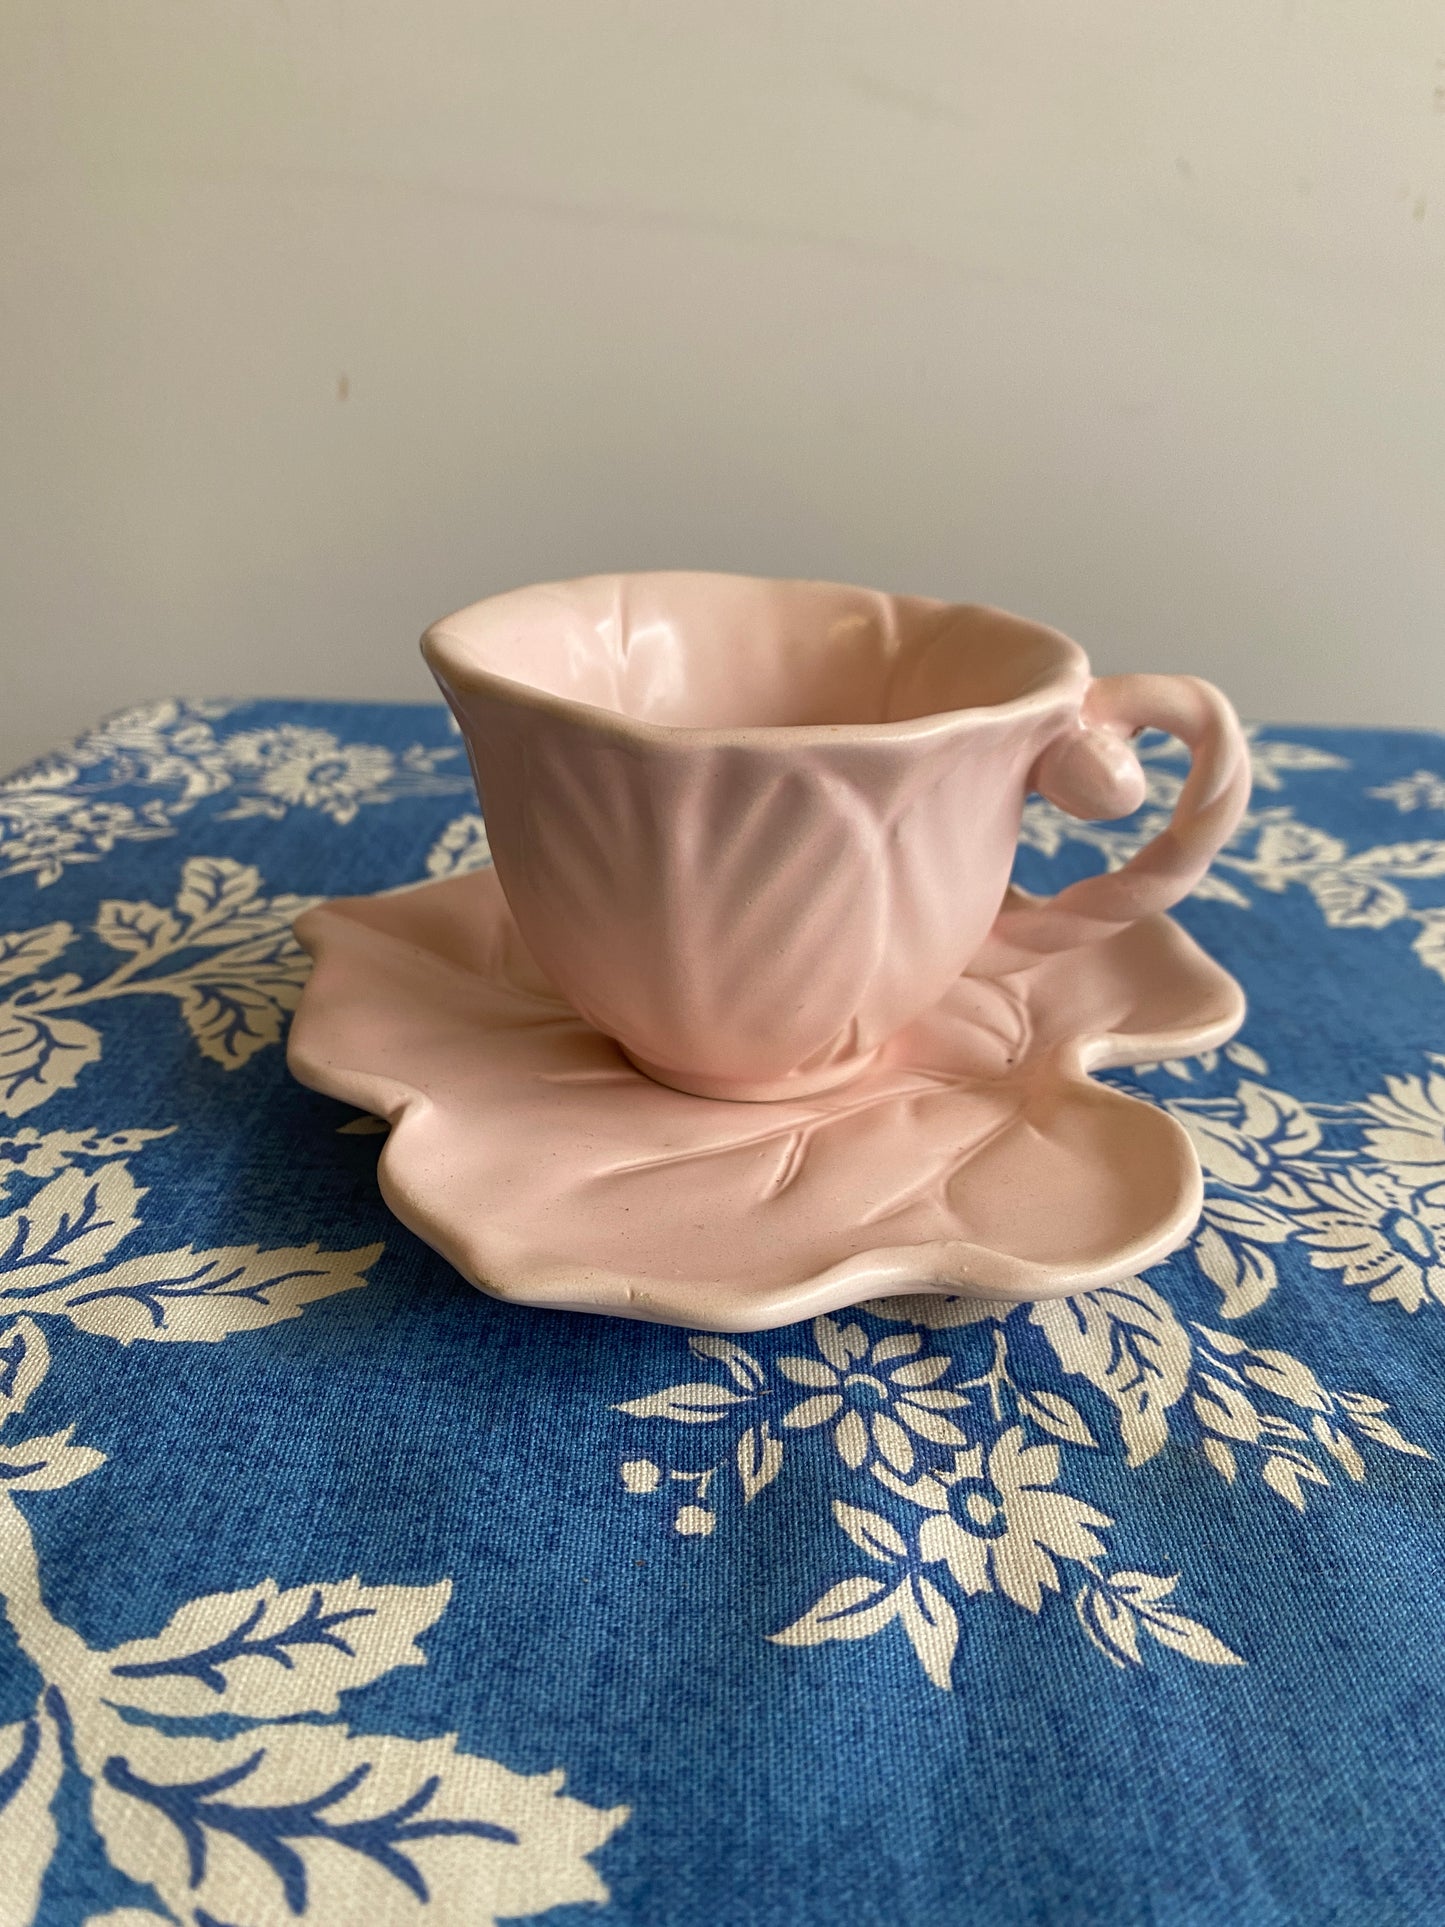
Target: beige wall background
322, 318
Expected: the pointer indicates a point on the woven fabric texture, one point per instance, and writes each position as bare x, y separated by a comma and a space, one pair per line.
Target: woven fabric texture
336, 1592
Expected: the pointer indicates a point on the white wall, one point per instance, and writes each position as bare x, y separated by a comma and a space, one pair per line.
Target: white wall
318, 319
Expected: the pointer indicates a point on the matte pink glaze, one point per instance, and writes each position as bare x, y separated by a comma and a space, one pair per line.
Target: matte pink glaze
751, 829
974, 1155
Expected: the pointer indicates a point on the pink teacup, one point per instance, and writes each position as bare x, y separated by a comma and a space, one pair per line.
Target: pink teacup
751, 829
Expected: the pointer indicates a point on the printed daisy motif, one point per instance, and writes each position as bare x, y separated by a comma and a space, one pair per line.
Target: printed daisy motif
40, 833
167, 757
1360, 1186
989, 1516
310, 767
1405, 1123
1016, 1530
869, 1394
1380, 1232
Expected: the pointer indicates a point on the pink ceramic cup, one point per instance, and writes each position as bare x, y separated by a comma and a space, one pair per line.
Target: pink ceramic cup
751, 829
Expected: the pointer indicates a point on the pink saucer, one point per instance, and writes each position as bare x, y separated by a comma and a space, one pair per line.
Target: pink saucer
975, 1155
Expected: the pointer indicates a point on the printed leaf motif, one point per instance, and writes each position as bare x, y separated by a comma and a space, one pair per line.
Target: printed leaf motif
49, 819
1240, 1139
1423, 859
1228, 1412
1051, 1412
842, 1345
932, 1625
1244, 1274
870, 1532
1285, 845
809, 1371
24, 1361
1286, 1377
124, 1917
71, 1224
215, 889
1248, 1218
1247, 1058
232, 1018
29, 1154
1143, 1585
1115, 1610
1110, 1625
701, 1403
136, 927
313, 1822
1214, 888
760, 1460
271, 807
259, 930
46, 1464
1340, 1446
1221, 1457
744, 1368
1269, 758
206, 1295
853, 1609
1283, 1475
40, 1054
233, 1000
1384, 1433
30, 1768
1353, 900
897, 1345
23, 953
936, 1312
268, 1654
1126, 1341
1429, 946
1425, 790
1187, 1636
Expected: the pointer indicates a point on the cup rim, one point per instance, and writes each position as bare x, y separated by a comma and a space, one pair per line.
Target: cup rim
448, 655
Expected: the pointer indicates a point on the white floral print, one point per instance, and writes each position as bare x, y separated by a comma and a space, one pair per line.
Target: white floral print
311, 768
55, 813
1425, 790
1017, 1526
221, 950
285, 1817
461, 847
1359, 1187
932, 1465
872, 1396
948, 1415
281, 1819
1368, 889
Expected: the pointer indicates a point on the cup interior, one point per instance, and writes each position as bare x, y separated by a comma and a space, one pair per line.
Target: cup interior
722, 652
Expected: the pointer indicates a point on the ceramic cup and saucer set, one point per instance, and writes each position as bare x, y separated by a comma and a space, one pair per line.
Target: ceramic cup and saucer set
746, 1022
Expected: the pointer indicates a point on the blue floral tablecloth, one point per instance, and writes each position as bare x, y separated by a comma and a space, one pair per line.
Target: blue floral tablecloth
338, 1593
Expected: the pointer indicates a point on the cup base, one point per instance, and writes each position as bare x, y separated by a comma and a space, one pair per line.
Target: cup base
736, 1090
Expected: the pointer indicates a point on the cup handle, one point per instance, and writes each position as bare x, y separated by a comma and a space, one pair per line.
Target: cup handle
1090, 771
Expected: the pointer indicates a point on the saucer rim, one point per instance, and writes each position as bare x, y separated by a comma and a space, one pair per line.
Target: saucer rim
946, 1267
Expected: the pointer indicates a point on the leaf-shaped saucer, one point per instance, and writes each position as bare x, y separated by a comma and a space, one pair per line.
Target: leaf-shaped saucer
975, 1155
